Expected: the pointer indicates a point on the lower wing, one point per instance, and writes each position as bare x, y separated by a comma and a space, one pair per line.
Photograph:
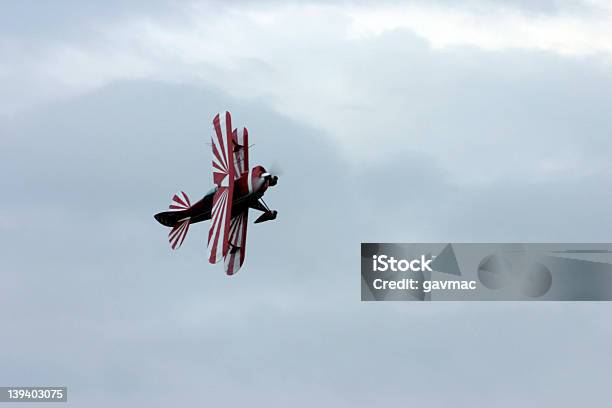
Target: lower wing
218, 236
237, 243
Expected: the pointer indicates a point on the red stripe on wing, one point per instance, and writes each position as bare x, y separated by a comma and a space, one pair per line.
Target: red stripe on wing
218, 148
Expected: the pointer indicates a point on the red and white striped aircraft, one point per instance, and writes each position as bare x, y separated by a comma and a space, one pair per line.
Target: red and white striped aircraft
237, 188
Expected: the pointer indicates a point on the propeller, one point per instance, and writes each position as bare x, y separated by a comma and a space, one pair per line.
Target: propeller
272, 174
276, 169
272, 179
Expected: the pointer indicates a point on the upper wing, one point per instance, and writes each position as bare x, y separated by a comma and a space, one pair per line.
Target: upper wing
241, 151
223, 177
222, 148
237, 243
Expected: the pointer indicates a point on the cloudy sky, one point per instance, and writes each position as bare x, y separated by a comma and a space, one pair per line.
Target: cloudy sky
468, 120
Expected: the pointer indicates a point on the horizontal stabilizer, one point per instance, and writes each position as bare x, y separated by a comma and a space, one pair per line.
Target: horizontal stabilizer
176, 219
178, 233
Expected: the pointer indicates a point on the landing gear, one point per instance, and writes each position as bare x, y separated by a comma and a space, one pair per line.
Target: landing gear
267, 215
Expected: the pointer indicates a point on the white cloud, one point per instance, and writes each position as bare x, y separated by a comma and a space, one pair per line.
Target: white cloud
496, 29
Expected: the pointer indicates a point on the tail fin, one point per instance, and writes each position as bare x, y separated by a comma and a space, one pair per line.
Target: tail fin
176, 220
180, 204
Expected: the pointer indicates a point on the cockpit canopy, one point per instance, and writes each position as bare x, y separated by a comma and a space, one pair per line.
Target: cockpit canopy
212, 191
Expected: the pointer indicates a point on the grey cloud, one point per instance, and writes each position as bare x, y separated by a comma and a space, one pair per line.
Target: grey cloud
42, 21
481, 114
96, 300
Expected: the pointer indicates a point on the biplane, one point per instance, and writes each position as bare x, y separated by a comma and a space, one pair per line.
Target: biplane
237, 189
